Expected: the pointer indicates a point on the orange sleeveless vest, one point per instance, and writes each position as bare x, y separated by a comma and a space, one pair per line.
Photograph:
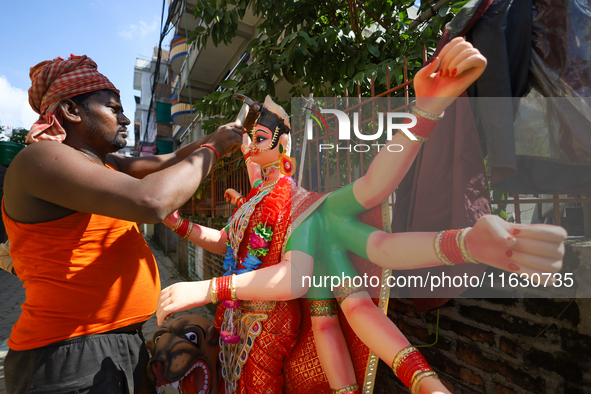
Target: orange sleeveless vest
83, 274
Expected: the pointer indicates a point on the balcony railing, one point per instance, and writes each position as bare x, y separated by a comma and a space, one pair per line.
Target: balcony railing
182, 114
178, 52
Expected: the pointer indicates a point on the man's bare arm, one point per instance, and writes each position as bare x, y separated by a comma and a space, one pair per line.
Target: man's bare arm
139, 167
48, 174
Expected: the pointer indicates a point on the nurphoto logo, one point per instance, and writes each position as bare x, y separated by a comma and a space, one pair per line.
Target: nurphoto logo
343, 121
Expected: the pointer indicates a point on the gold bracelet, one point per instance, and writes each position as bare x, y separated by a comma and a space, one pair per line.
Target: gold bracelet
417, 378
213, 292
419, 139
178, 224
347, 389
424, 114
438, 252
463, 249
233, 288
188, 230
400, 356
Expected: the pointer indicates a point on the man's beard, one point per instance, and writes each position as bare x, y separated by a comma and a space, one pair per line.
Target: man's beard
119, 142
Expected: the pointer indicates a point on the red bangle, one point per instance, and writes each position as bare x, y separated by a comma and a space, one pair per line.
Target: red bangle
224, 292
240, 202
350, 389
449, 246
423, 128
413, 362
217, 154
182, 230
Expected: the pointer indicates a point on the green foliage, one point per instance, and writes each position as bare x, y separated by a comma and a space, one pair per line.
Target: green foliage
496, 195
324, 47
19, 136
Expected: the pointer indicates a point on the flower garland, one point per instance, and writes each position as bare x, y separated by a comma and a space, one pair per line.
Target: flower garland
260, 239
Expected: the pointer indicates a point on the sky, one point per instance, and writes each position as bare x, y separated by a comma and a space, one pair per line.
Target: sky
112, 33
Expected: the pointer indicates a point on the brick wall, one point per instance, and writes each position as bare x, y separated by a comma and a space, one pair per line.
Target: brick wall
503, 345
160, 234
182, 260
212, 263
178, 249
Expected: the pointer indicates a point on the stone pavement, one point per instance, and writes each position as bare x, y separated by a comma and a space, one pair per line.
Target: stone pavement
12, 295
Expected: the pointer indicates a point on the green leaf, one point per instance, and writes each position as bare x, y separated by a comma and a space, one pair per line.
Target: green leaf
199, 30
373, 50
228, 84
443, 10
351, 70
310, 40
287, 39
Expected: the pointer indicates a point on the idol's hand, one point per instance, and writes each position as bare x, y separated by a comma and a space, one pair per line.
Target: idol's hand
172, 219
456, 67
180, 297
521, 248
232, 196
245, 143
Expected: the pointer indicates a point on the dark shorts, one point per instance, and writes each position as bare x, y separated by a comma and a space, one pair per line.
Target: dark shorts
109, 363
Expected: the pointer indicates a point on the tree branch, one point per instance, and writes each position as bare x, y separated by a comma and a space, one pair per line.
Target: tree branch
354, 20
428, 14
373, 16
331, 15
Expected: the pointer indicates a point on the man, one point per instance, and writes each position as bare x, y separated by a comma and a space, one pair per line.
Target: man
70, 209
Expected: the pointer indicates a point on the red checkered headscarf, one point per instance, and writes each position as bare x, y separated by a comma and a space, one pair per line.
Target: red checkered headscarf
53, 80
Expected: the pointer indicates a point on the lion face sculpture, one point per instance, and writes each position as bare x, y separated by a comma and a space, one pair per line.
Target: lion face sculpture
185, 356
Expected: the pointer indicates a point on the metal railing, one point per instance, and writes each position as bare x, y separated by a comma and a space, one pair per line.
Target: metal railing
209, 199
518, 200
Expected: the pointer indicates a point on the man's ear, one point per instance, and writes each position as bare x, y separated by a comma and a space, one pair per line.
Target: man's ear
70, 111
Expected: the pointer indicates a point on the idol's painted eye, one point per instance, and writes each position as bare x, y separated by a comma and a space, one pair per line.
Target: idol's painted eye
260, 139
193, 337
156, 339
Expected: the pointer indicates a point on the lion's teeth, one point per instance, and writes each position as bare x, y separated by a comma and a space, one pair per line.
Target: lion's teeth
202, 392
176, 385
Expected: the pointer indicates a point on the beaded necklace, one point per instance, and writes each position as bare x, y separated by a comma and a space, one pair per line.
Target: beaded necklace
269, 169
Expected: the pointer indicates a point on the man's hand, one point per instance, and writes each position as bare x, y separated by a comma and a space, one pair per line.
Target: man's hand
456, 67
228, 138
180, 297
522, 248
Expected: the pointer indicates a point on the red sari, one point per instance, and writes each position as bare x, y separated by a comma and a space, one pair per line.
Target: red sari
277, 352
